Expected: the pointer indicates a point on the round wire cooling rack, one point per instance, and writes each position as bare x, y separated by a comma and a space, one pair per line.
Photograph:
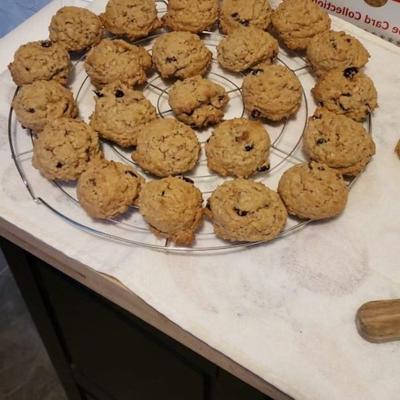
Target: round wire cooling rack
130, 229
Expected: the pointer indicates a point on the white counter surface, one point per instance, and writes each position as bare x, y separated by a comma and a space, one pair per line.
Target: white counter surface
284, 311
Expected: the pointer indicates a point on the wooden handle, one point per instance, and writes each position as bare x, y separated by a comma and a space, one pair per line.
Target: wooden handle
379, 321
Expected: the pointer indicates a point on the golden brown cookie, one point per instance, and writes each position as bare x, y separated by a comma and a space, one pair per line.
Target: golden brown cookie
246, 47
107, 188
180, 55
238, 147
173, 208
338, 142
335, 50
190, 15
113, 60
65, 148
40, 102
76, 28
166, 147
42, 60
313, 191
132, 19
272, 92
244, 13
248, 211
349, 92
120, 113
297, 22
376, 3
197, 101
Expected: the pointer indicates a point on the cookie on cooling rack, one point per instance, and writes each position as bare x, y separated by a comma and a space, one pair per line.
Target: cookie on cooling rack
297, 22
272, 92
244, 210
42, 60
190, 15
120, 113
113, 60
338, 142
349, 92
166, 147
133, 19
40, 102
180, 55
238, 147
244, 13
335, 50
75, 28
65, 148
246, 47
107, 188
197, 101
173, 208
313, 191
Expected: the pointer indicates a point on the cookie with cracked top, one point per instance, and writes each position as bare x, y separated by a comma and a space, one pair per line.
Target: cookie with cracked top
244, 210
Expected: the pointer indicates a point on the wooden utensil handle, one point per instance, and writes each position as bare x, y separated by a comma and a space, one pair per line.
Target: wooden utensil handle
379, 321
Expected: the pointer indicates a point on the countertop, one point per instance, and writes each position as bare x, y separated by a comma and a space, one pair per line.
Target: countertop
279, 316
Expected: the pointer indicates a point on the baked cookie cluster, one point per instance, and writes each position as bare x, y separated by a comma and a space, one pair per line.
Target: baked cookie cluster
66, 148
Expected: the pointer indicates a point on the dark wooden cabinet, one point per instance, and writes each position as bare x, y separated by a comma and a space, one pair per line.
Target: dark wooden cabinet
102, 352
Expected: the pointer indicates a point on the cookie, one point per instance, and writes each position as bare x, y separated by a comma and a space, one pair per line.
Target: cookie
376, 3
75, 28
173, 208
297, 22
120, 113
166, 147
338, 142
244, 13
245, 47
40, 102
248, 211
397, 149
64, 149
113, 60
180, 55
107, 188
132, 19
238, 147
42, 60
313, 191
335, 50
198, 102
190, 15
349, 92
272, 92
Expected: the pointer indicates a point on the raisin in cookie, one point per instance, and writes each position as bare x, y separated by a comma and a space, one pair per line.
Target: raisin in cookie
107, 188
113, 60
348, 92
245, 47
198, 102
173, 208
238, 147
338, 142
180, 55
244, 13
120, 113
248, 211
40, 102
132, 19
166, 147
43, 60
313, 191
64, 149
297, 22
272, 92
75, 28
335, 50
190, 15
